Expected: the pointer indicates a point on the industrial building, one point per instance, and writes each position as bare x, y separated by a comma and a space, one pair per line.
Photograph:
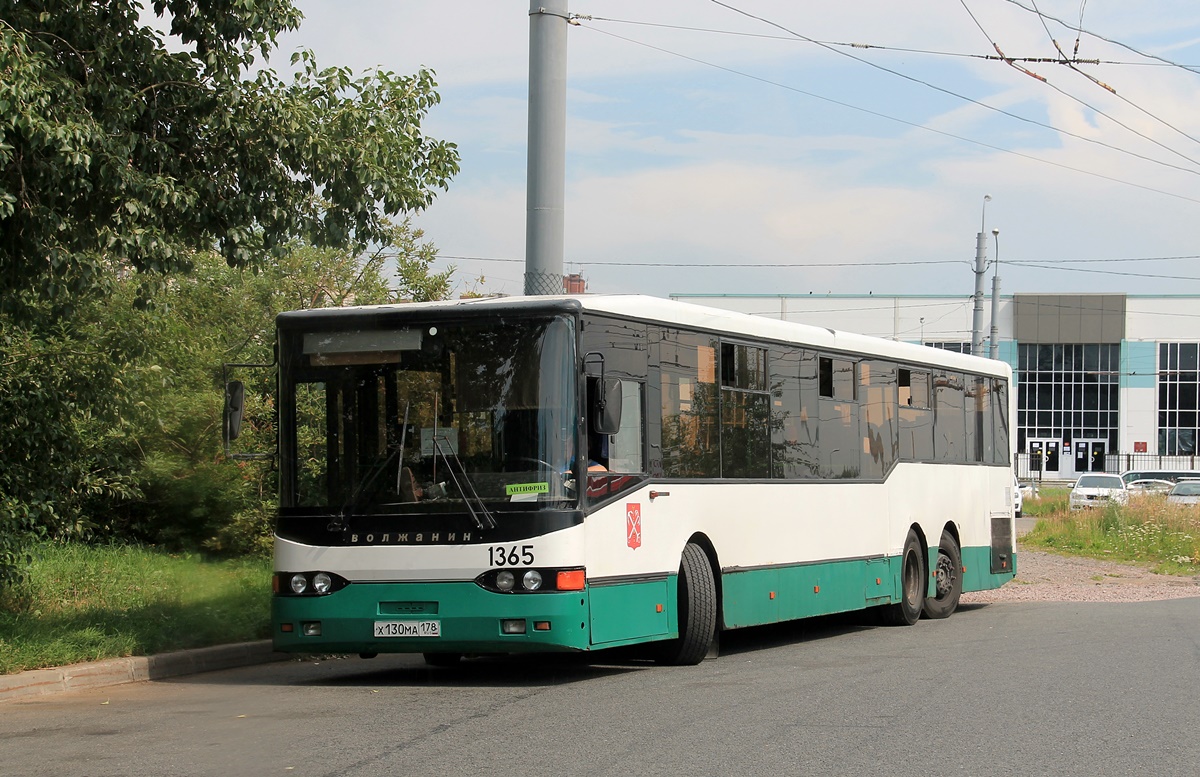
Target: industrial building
1105, 382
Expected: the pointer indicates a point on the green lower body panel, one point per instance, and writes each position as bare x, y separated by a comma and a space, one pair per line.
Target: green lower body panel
629, 613
468, 620
752, 597
979, 576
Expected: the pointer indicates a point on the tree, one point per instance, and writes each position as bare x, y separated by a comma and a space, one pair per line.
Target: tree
122, 160
114, 148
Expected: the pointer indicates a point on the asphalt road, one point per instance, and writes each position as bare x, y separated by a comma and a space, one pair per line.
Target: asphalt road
1020, 688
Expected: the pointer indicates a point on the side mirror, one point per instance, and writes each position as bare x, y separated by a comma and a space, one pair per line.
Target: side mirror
235, 404
606, 412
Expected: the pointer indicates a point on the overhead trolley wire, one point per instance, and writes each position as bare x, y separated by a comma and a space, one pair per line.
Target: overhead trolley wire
1070, 64
1035, 264
1079, 29
926, 128
956, 95
866, 46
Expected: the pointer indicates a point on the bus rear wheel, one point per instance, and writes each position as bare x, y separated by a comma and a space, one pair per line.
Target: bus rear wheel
907, 611
947, 579
697, 609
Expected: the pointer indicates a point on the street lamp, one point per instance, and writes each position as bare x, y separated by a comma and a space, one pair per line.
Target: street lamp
994, 343
980, 269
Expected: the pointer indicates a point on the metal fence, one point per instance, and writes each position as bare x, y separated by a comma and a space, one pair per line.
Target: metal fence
1116, 463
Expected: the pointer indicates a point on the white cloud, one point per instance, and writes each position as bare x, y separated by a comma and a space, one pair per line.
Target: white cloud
671, 160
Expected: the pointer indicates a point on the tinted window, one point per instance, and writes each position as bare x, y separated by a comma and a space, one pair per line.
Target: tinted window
950, 418
690, 406
1002, 444
841, 441
794, 430
878, 401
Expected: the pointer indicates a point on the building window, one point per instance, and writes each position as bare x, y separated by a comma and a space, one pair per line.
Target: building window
1178, 398
1068, 391
954, 347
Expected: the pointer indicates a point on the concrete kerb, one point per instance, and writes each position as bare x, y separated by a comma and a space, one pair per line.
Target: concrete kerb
116, 671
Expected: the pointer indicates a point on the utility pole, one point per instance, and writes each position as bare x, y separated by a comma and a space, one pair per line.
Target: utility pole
546, 173
980, 270
994, 343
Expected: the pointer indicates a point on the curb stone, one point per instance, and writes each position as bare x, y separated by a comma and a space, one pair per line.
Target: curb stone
36, 683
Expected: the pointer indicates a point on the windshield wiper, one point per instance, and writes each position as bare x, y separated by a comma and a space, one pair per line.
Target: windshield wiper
338, 522
403, 435
469, 493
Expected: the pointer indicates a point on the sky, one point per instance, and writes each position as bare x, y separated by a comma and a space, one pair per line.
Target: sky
745, 147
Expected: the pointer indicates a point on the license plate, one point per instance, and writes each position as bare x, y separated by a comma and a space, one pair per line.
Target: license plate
408, 628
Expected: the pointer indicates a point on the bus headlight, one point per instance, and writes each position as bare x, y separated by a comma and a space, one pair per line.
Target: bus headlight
541, 580
307, 583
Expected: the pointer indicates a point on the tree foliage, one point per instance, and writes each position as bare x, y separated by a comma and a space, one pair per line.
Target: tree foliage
114, 147
137, 169
111, 424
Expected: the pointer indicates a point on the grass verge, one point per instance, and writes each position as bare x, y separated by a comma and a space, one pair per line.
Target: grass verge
85, 604
1148, 531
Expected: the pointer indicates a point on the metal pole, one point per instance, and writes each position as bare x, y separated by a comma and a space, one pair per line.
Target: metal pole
994, 343
980, 269
547, 152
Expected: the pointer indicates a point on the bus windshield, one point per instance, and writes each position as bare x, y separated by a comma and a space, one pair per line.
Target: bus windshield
437, 417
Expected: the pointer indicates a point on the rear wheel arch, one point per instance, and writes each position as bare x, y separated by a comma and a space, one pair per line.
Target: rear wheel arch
952, 528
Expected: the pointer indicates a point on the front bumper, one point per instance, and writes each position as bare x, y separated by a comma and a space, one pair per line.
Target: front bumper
469, 618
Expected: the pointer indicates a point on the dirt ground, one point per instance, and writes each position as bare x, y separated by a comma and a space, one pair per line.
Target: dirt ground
1045, 576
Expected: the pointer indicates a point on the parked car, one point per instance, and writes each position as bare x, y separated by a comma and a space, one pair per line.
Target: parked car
1018, 497
1149, 486
1173, 475
1185, 492
1098, 491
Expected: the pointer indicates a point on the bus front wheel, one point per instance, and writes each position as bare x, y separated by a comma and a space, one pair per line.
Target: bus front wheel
907, 611
697, 609
947, 579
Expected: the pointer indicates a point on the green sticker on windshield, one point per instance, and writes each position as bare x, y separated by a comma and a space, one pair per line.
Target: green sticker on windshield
527, 488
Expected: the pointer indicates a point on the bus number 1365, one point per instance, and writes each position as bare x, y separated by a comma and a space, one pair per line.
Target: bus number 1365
501, 556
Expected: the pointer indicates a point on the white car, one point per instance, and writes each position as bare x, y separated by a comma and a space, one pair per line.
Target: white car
1098, 491
1185, 492
1149, 486
1018, 497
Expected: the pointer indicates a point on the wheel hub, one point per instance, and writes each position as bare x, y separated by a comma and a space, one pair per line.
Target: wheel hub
944, 575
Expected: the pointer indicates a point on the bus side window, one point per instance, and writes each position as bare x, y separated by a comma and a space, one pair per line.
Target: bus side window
625, 449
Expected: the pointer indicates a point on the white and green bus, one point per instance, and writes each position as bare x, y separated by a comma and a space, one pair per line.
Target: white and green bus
579, 473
